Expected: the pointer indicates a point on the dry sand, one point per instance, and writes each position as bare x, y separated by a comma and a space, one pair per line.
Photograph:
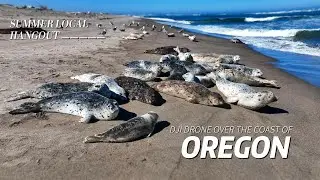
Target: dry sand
50, 146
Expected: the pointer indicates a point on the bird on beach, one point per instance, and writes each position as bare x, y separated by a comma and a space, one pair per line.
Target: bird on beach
99, 25
104, 32
192, 38
111, 23
143, 28
153, 27
123, 28
114, 28
180, 31
138, 24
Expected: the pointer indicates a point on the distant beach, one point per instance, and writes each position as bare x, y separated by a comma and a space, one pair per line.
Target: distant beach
291, 37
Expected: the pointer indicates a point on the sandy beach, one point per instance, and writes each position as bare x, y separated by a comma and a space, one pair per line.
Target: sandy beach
49, 146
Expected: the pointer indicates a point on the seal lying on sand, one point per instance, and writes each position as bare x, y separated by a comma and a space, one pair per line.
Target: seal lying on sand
55, 89
204, 80
194, 68
191, 92
166, 50
88, 105
140, 91
146, 65
183, 56
118, 92
246, 70
240, 77
175, 70
134, 129
142, 74
170, 57
244, 95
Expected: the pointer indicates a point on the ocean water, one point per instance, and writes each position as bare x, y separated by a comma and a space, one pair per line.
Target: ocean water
291, 37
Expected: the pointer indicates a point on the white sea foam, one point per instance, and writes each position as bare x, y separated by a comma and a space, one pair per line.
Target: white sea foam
262, 19
170, 20
289, 12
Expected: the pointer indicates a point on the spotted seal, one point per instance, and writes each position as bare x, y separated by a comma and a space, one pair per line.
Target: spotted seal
213, 58
240, 77
191, 92
155, 67
245, 69
134, 129
204, 80
118, 92
55, 89
244, 95
166, 50
139, 73
139, 90
88, 105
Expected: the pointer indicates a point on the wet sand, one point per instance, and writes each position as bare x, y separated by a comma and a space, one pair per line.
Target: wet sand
50, 146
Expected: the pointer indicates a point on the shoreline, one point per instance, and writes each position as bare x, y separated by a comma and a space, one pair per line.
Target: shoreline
302, 66
50, 146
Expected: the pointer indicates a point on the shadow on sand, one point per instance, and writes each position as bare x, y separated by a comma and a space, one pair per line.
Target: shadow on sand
272, 110
160, 126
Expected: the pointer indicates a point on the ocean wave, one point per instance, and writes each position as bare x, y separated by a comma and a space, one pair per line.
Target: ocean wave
171, 20
252, 32
283, 45
289, 12
307, 34
250, 19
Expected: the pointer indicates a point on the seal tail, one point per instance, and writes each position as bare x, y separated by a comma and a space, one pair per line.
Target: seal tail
26, 108
19, 96
94, 139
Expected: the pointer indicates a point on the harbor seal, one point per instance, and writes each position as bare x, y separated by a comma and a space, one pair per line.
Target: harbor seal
118, 92
140, 91
155, 67
166, 50
240, 77
214, 58
134, 129
55, 89
204, 80
139, 73
88, 105
246, 70
244, 95
184, 56
170, 57
191, 92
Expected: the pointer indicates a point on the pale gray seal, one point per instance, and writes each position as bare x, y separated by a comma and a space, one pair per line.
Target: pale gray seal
139, 73
240, 77
88, 105
155, 67
184, 56
54, 89
140, 91
191, 92
118, 92
242, 68
170, 57
214, 58
134, 129
243, 95
204, 80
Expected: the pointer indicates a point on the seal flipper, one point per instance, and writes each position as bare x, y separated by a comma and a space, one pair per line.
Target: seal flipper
27, 107
19, 96
92, 139
232, 99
